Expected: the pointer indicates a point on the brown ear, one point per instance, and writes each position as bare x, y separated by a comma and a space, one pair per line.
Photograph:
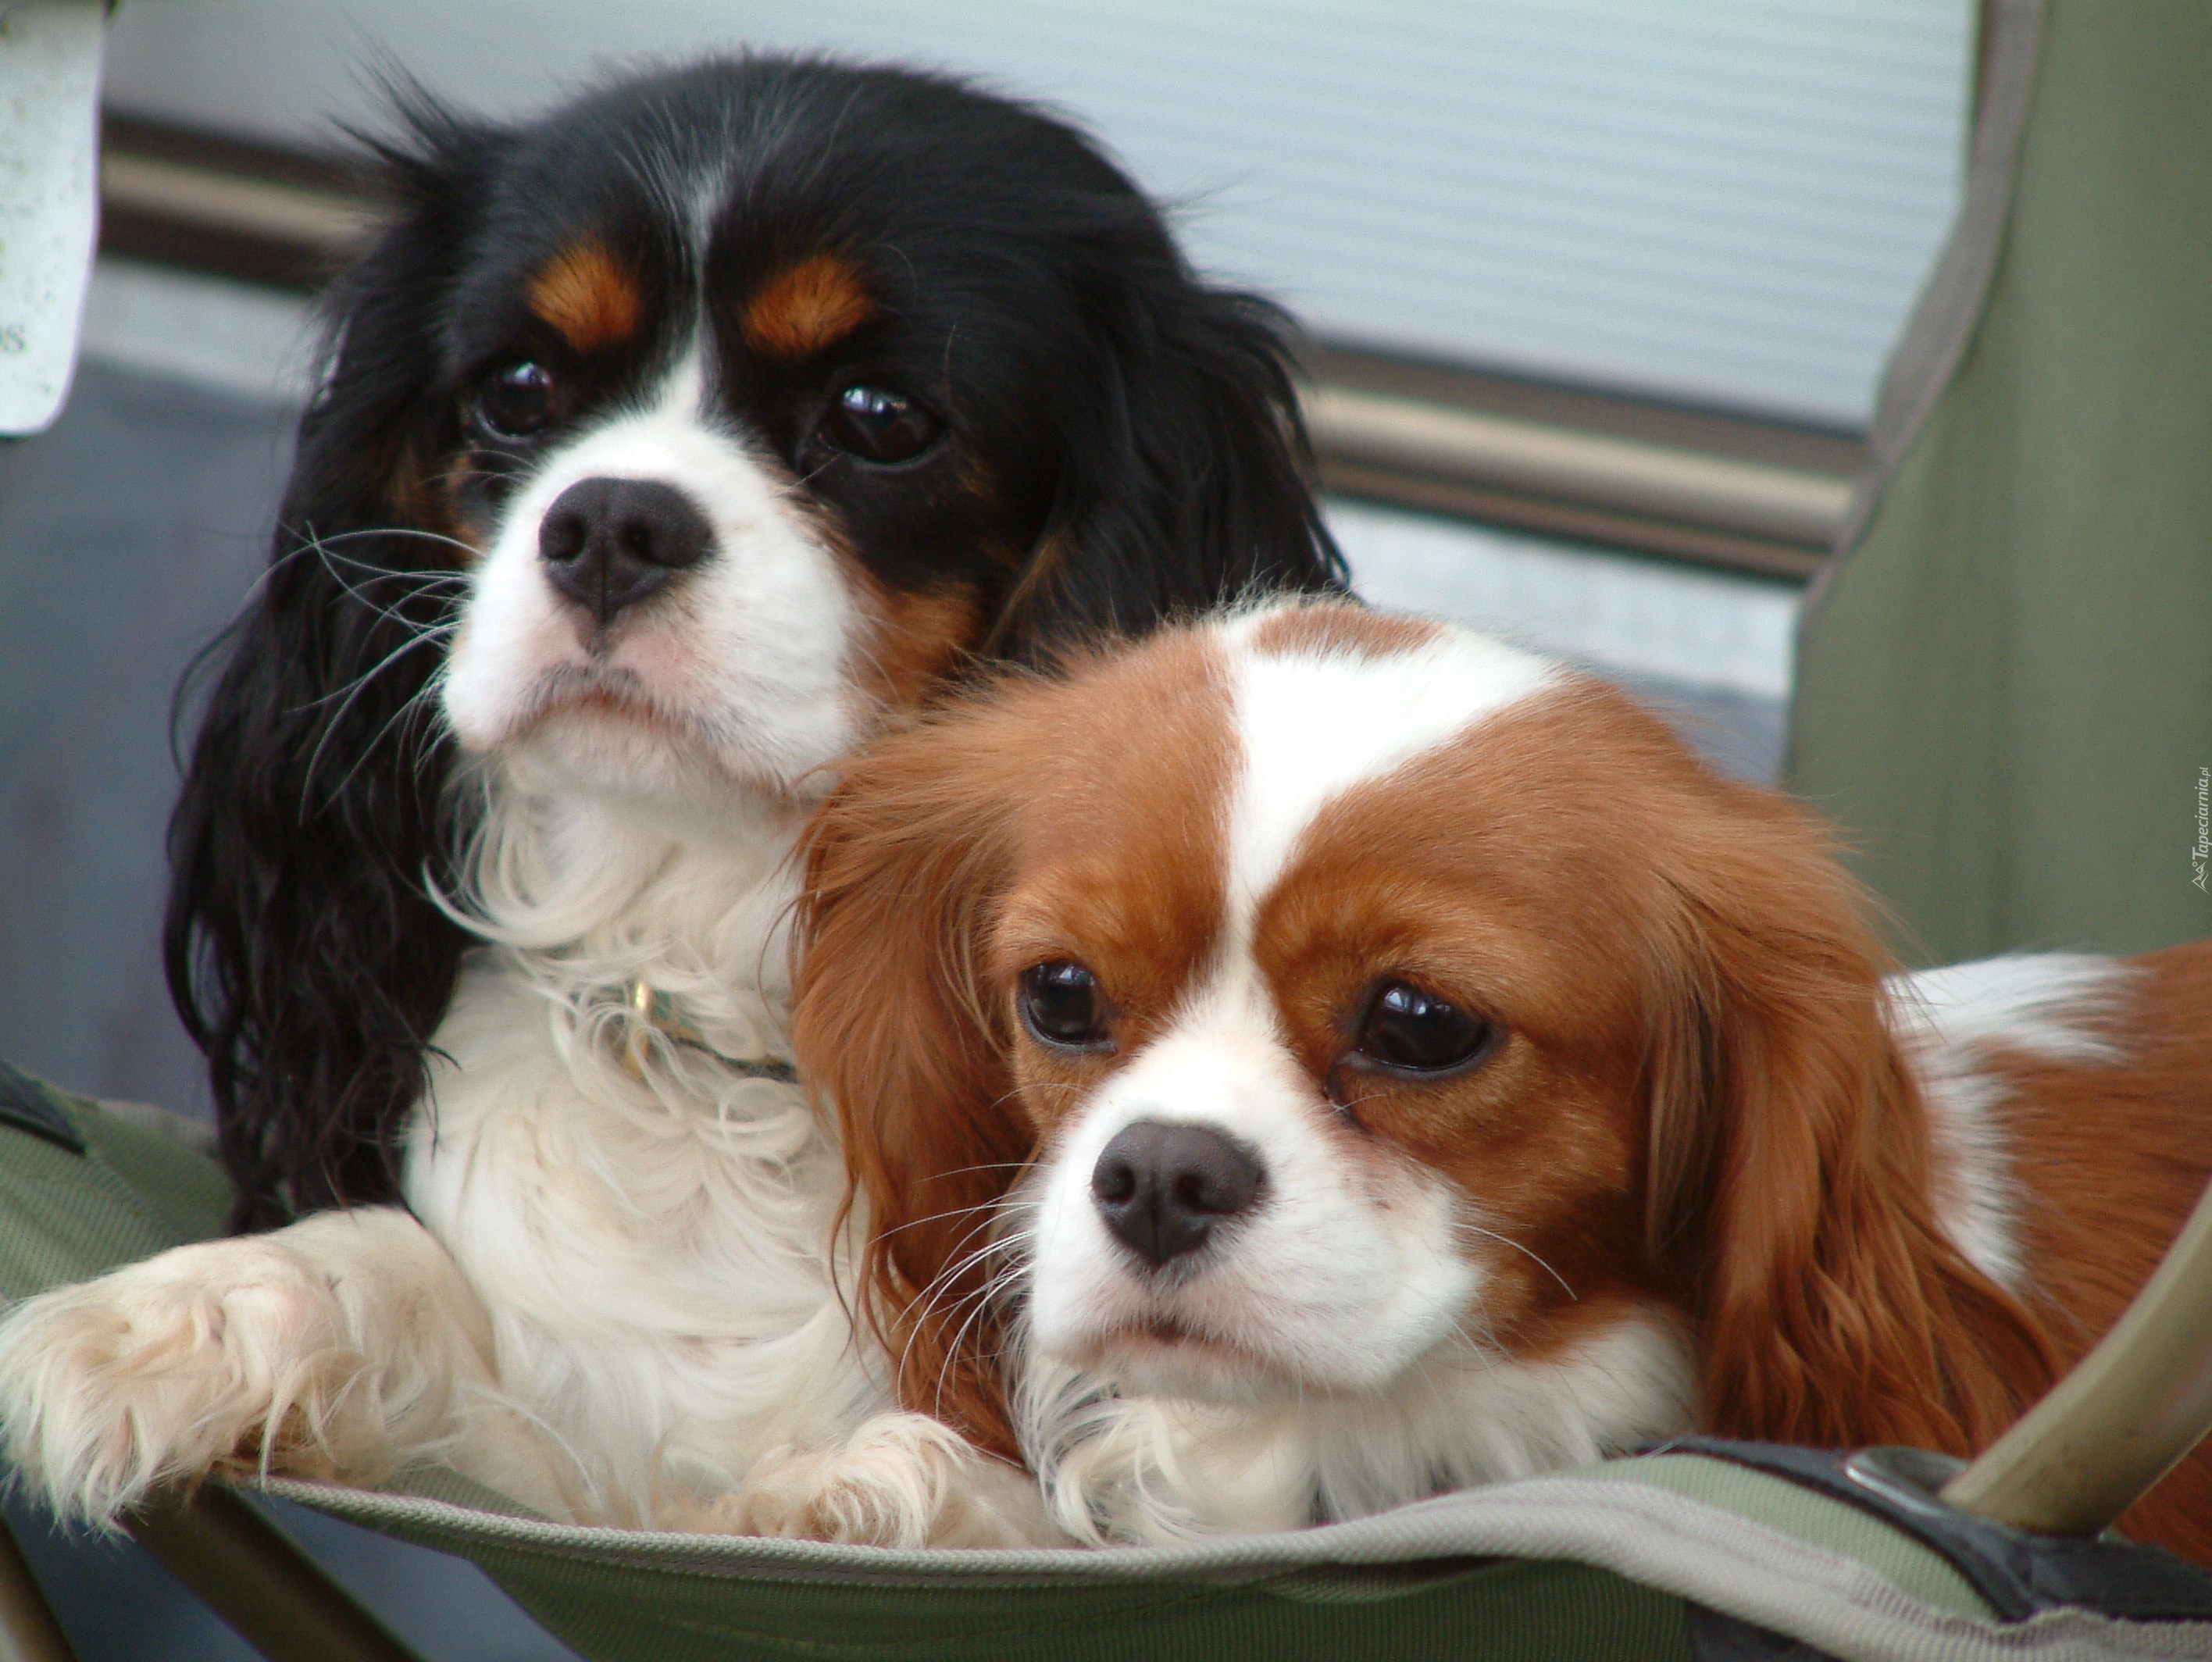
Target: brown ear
903, 865
1790, 1195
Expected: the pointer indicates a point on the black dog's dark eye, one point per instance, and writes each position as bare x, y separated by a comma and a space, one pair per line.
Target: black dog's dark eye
879, 425
1406, 1027
518, 400
1060, 1005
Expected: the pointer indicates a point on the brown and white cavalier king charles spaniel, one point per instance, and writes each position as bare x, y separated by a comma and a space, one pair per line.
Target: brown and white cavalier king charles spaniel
668, 444
1315, 1060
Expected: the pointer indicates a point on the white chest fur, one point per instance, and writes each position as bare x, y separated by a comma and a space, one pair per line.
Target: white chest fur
654, 1244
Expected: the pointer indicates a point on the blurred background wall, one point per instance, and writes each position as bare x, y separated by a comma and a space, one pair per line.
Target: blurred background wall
1729, 203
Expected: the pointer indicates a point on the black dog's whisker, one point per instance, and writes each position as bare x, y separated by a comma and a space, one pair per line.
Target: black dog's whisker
429, 637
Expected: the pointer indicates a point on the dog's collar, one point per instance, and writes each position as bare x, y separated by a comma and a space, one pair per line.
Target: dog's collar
652, 1011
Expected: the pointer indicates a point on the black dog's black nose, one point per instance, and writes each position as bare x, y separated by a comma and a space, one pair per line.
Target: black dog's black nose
1161, 1188
609, 542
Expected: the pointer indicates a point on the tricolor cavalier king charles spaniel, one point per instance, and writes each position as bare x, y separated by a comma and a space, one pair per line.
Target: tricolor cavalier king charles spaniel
670, 444
1315, 1060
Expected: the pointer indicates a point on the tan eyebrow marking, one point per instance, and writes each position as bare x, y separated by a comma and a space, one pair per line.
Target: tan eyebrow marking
587, 294
807, 306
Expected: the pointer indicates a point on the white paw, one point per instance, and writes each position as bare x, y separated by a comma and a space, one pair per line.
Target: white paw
231, 1356
902, 1480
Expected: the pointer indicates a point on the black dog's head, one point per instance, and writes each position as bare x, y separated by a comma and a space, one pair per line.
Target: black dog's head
671, 440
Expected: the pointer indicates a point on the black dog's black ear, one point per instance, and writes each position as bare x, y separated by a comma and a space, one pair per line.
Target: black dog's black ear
1185, 473
304, 952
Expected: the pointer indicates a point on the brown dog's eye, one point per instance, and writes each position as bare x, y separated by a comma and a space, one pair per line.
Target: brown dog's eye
1060, 1005
879, 425
518, 400
1410, 1030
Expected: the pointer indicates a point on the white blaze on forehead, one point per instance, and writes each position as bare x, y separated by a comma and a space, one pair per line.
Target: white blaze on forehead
683, 394
1316, 721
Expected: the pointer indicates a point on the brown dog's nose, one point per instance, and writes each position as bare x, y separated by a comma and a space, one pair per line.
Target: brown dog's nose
608, 543
1161, 1188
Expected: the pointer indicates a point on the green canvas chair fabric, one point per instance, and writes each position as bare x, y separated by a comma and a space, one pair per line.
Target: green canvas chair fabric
1599, 1563
2004, 682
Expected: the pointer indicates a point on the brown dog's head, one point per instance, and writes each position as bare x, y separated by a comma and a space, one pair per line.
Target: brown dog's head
1310, 1001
